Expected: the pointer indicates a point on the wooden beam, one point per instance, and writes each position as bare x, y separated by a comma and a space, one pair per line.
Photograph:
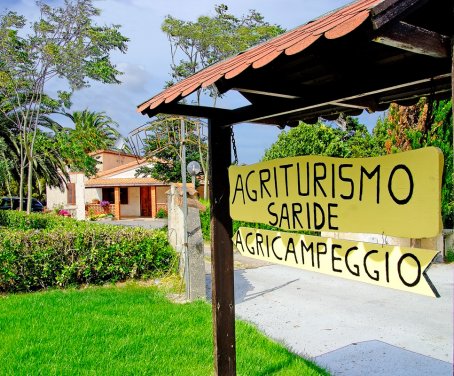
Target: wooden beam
117, 202
252, 114
223, 299
189, 110
265, 93
415, 39
348, 105
153, 201
391, 10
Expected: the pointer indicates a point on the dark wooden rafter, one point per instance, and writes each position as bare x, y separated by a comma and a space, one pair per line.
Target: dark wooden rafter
392, 10
266, 93
253, 114
191, 111
415, 39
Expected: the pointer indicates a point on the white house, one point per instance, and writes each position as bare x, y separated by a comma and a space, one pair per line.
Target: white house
115, 182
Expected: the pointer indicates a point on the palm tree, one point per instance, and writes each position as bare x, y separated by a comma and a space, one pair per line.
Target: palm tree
95, 129
47, 165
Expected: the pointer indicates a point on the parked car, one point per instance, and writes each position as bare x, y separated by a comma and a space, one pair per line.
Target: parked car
12, 203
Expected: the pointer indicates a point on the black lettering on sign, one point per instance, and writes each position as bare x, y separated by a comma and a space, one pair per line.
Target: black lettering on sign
330, 216
347, 180
272, 247
270, 212
308, 214
399, 270
318, 177
307, 249
297, 208
265, 177
239, 188
259, 241
300, 192
333, 181
267, 246
239, 241
334, 258
387, 266
319, 252
376, 170
252, 198
347, 254
285, 167
252, 252
276, 188
377, 274
291, 249
284, 215
319, 219
410, 181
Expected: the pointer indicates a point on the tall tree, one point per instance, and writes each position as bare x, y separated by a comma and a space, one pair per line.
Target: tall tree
163, 145
65, 43
196, 45
92, 131
6, 165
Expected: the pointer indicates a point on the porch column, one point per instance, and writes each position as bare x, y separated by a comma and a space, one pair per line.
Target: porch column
153, 201
117, 202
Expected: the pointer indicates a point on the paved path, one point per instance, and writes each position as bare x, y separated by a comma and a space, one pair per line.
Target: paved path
349, 327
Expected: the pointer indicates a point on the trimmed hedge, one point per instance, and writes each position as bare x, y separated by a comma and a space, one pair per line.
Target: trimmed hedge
21, 221
42, 250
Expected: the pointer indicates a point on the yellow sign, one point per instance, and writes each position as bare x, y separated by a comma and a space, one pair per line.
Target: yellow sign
384, 265
397, 194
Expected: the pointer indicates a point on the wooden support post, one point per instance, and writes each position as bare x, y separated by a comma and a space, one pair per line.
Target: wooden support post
223, 300
153, 201
117, 202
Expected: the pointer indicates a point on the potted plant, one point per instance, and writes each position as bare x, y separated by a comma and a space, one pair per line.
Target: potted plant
105, 205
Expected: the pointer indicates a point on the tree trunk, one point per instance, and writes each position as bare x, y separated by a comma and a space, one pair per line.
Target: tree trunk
29, 187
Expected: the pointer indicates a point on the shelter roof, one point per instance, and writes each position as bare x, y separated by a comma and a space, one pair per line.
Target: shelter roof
364, 55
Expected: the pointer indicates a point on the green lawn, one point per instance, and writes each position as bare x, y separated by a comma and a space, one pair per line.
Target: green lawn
128, 330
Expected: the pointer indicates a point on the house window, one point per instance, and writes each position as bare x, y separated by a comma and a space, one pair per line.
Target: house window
71, 193
108, 194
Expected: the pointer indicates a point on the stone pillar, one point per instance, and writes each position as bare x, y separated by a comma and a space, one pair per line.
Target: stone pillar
117, 202
195, 240
80, 196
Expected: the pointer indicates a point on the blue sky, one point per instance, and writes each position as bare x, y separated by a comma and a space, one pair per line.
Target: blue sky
146, 65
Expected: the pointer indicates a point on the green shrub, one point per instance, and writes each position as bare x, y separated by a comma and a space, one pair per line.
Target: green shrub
205, 220
71, 252
162, 213
449, 256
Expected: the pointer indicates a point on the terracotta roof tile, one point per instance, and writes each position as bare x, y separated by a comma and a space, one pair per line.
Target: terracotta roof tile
347, 26
122, 182
331, 25
301, 44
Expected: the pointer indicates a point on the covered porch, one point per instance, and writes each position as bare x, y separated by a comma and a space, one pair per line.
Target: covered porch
128, 197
